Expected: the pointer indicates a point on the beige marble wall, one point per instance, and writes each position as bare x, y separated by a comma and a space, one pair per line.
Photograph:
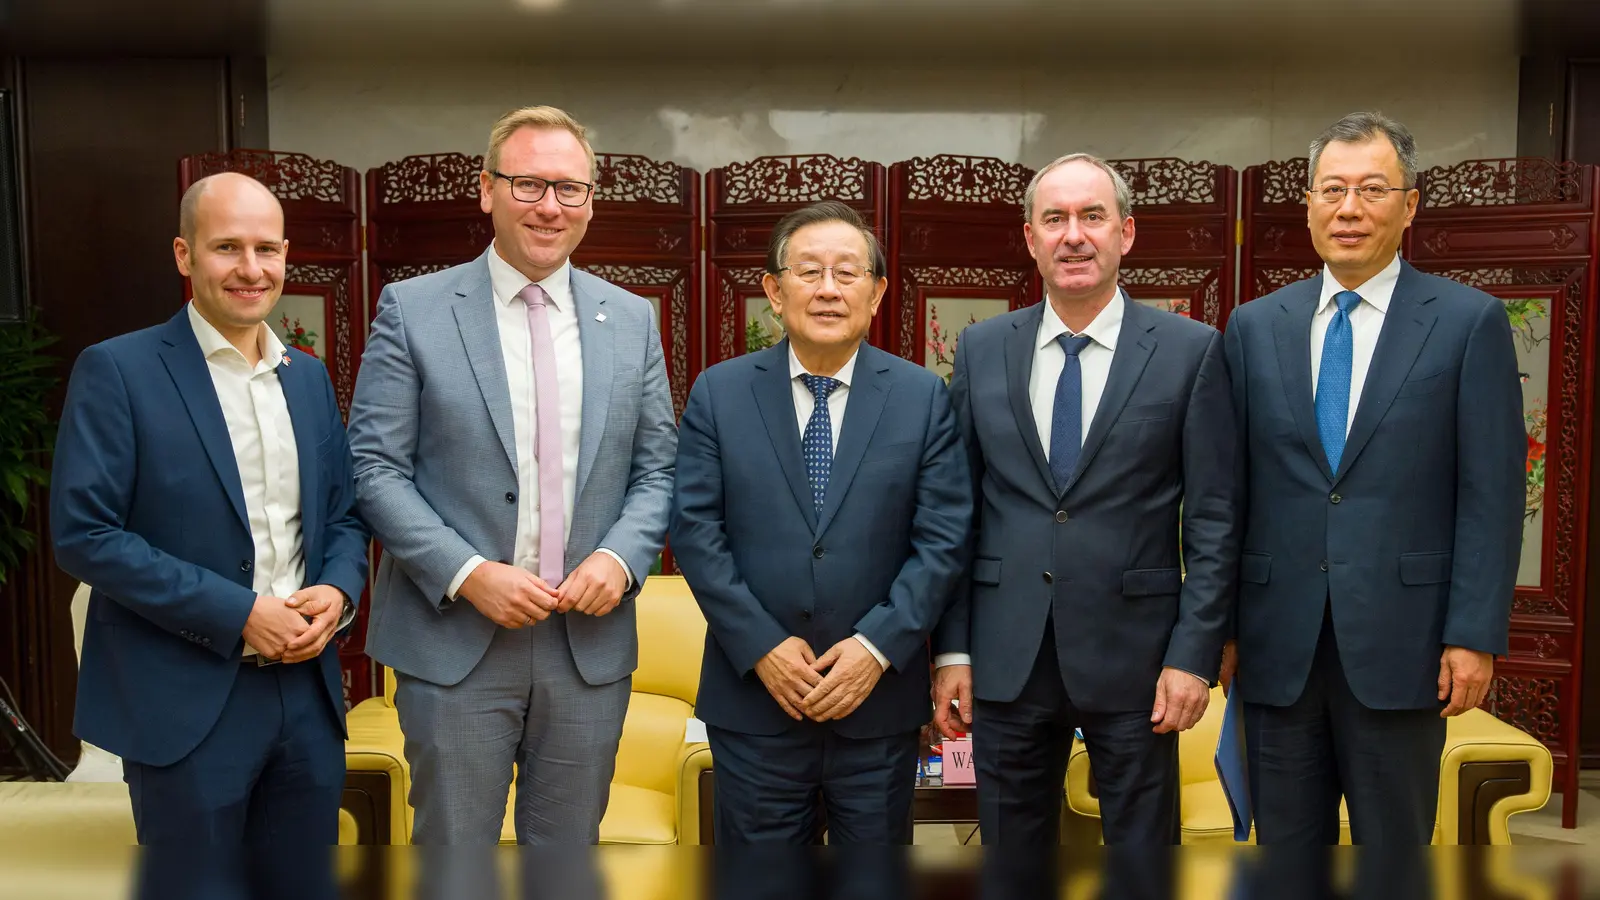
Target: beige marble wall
365, 113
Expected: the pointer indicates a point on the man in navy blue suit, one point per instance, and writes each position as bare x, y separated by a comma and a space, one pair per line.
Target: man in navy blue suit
1380, 428
202, 487
821, 515
1097, 427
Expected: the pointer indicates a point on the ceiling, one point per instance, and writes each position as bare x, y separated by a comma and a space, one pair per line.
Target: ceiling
787, 32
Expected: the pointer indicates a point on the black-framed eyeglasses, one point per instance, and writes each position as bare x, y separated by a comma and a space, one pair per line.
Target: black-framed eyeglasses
844, 273
531, 189
1372, 193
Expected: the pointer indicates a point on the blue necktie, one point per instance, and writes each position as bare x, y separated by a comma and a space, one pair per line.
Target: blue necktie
1066, 422
817, 444
1333, 379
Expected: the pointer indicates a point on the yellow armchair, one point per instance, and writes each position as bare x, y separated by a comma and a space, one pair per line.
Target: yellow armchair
1489, 771
656, 790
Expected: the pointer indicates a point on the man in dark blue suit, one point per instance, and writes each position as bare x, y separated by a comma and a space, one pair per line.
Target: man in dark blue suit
1096, 427
821, 515
202, 487
1380, 424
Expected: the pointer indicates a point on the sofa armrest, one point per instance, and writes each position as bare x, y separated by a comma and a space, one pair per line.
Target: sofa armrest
1081, 795
377, 778
1489, 770
694, 811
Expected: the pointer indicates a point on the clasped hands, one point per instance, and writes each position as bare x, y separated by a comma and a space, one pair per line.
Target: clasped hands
513, 597
296, 628
821, 688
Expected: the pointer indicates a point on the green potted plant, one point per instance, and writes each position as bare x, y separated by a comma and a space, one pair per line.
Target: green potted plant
27, 376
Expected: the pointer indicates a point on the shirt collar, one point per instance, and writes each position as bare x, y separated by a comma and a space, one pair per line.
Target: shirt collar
1377, 290
507, 282
1104, 330
842, 376
212, 342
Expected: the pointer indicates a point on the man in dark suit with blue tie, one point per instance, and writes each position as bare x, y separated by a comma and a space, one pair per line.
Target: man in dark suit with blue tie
821, 515
1380, 427
202, 487
1096, 426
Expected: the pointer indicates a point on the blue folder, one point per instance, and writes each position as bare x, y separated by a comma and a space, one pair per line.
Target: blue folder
1233, 767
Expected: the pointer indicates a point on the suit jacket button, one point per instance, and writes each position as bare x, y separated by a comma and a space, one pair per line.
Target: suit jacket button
511, 497
1049, 579
1335, 499
1061, 515
246, 566
805, 615
1324, 566
817, 552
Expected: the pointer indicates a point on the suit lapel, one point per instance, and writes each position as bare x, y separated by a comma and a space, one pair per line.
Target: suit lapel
869, 390
597, 336
1292, 332
187, 366
1405, 328
304, 414
1134, 346
775, 399
480, 333
1019, 352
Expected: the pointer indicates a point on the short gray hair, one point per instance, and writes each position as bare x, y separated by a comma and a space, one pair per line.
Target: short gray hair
1118, 183
818, 214
1360, 127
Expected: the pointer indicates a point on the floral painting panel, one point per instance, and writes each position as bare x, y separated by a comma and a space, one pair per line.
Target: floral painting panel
299, 320
761, 326
1179, 305
943, 320
1530, 326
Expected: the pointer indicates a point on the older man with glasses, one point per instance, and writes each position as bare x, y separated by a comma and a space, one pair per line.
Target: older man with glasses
514, 438
821, 515
1380, 430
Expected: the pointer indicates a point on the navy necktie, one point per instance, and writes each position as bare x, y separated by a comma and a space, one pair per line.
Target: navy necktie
1066, 422
1333, 379
817, 444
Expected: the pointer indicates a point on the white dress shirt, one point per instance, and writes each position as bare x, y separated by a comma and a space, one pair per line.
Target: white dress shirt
516, 346
805, 403
1094, 363
257, 415
1366, 323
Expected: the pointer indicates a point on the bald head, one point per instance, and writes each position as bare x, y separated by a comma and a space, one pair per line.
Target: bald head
223, 188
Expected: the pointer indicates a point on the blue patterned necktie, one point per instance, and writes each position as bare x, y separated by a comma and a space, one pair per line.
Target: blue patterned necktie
817, 444
1333, 379
1066, 422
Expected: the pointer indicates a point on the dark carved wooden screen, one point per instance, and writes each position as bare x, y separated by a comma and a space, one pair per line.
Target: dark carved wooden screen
745, 200
1183, 248
1526, 231
645, 238
1277, 248
423, 215
956, 252
321, 310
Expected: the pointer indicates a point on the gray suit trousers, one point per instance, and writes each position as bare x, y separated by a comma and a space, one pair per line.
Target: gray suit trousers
524, 707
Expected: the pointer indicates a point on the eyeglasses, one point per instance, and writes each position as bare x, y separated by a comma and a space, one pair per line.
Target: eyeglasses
1372, 193
530, 189
845, 274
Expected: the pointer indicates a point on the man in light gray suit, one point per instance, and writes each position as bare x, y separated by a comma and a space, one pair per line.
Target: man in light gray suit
514, 447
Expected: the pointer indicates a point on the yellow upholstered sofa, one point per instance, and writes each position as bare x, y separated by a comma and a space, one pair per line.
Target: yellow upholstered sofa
656, 791
1489, 771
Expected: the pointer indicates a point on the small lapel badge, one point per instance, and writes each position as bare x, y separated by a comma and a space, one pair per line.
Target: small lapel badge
599, 317
285, 360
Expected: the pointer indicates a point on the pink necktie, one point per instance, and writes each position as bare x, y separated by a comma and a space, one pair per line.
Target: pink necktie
547, 438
